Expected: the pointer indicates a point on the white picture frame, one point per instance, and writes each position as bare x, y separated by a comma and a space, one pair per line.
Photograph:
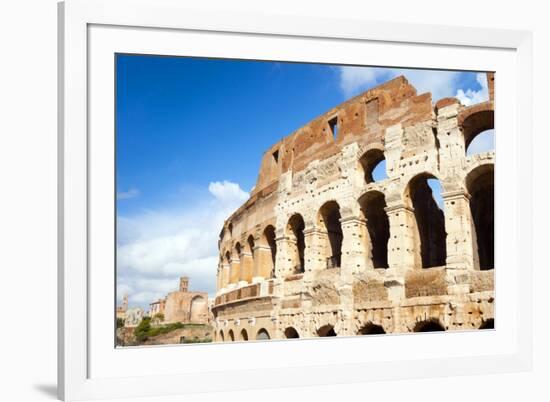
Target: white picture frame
90, 367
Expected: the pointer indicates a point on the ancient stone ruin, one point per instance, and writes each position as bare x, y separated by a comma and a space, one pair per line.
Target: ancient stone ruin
323, 248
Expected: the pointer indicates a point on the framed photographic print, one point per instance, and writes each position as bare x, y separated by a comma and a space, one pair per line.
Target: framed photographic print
259, 201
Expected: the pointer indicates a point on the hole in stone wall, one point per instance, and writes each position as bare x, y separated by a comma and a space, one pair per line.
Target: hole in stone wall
425, 195
244, 335
276, 156
371, 329
373, 206
295, 232
268, 239
488, 324
480, 185
231, 335
333, 124
326, 330
374, 165
329, 220
262, 335
291, 333
482, 142
431, 325
476, 124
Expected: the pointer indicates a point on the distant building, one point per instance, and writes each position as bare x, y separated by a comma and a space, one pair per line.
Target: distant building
157, 307
133, 317
121, 310
185, 306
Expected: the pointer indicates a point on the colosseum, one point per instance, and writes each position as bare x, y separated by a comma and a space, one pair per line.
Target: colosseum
322, 248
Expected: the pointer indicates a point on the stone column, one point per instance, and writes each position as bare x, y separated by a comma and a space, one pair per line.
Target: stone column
354, 260
355, 244
458, 225
247, 267
403, 250
235, 270
284, 261
461, 242
315, 251
403, 244
226, 271
263, 263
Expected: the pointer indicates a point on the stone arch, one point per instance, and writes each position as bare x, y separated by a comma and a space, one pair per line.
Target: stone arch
370, 160
262, 335
198, 309
231, 335
480, 185
291, 333
326, 330
328, 220
429, 221
236, 263
222, 337
488, 324
244, 335
474, 120
373, 206
295, 233
429, 325
371, 329
247, 260
268, 253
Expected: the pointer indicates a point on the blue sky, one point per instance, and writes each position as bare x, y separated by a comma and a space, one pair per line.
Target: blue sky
190, 137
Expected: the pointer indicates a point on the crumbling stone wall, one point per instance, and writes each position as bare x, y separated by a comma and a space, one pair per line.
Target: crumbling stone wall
322, 249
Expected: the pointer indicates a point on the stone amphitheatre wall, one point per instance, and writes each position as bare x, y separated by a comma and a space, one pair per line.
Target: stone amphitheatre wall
321, 248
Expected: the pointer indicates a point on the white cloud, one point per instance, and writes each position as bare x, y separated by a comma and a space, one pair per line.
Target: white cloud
156, 247
226, 191
471, 97
125, 195
441, 84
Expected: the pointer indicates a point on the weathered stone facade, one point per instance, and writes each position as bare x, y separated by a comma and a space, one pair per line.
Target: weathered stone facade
185, 306
322, 249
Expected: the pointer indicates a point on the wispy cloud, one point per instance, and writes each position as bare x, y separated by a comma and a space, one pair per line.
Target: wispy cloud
158, 246
469, 97
126, 195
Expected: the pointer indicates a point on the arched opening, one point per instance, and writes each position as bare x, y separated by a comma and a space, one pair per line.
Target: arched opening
371, 329
488, 324
480, 184
222, 338
329, 220
297, 245
424, 195
244, 335
374, 165
482, 142
250, 242
431, 325
476, 123
262, 335
235, 264
373, 206
326, 330
199, 309
247, 260
270, 247
291, 333
227, 270
231, 335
